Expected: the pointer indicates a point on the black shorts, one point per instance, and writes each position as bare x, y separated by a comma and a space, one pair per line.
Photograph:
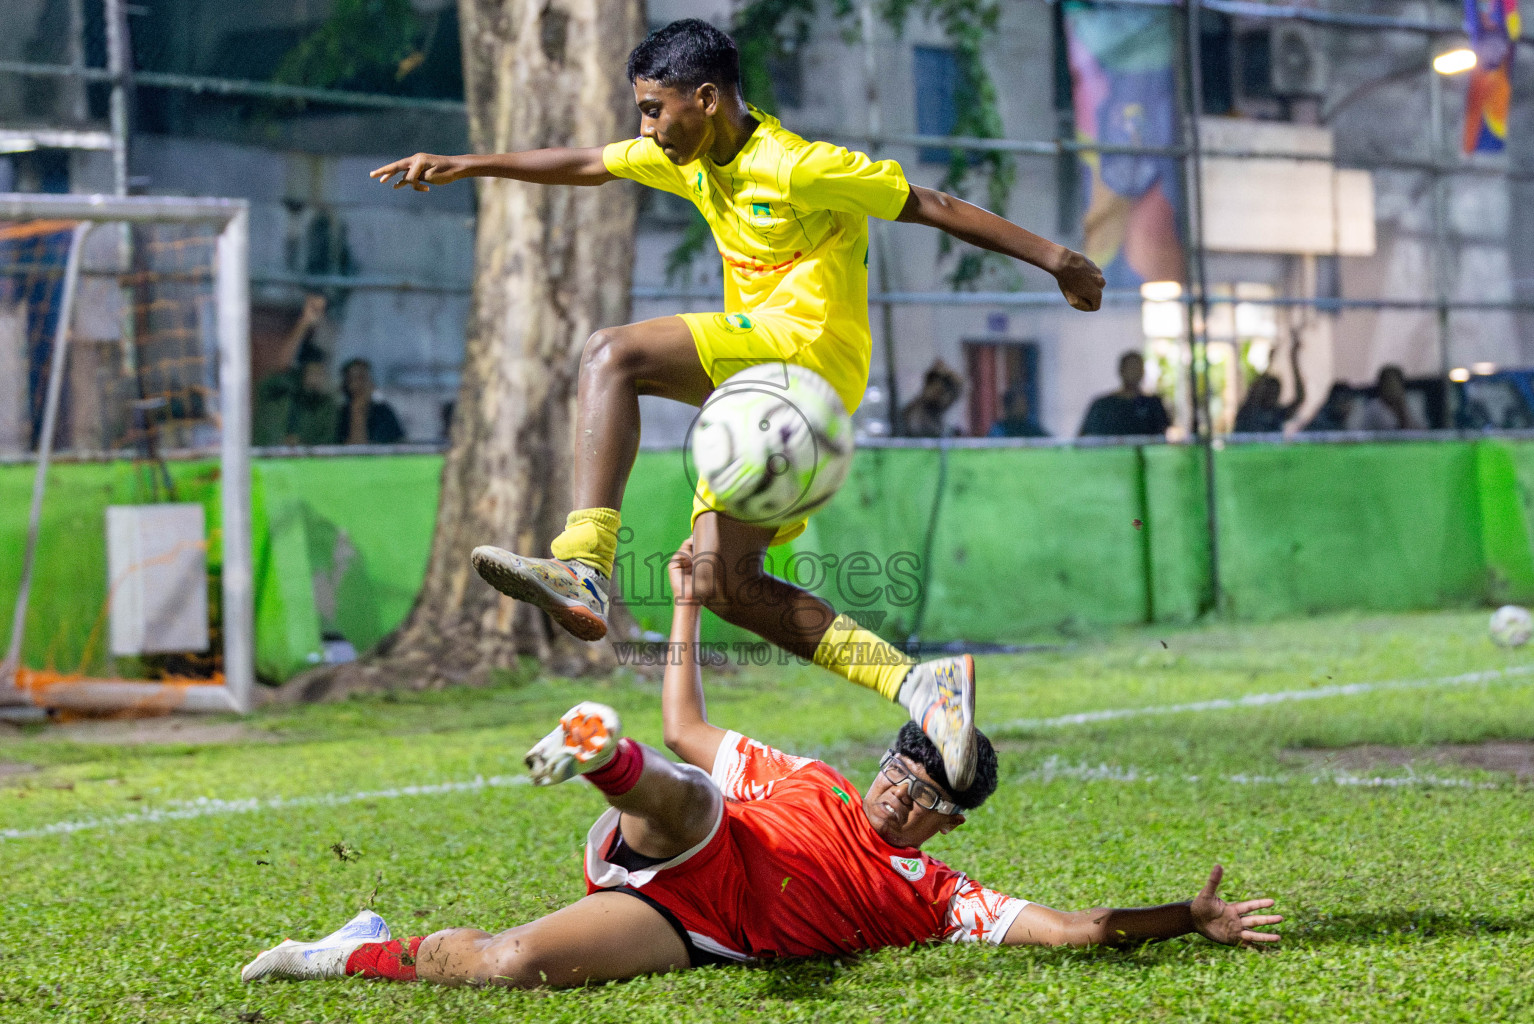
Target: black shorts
696, 957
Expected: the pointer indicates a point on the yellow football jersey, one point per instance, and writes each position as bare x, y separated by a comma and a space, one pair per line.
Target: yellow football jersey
790, 219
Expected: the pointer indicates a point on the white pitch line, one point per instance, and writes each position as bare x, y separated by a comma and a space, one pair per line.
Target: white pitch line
208, 806
204, 807
1254, 700
1054, 768
1051, 769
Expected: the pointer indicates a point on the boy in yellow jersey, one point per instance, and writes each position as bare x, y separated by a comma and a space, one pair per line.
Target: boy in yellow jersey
790, 218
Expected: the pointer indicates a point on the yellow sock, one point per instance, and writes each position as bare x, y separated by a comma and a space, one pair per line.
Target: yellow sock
859, 656
591, 536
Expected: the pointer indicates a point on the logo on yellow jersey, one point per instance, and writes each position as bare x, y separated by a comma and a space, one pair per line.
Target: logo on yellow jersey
736, 323
761, 215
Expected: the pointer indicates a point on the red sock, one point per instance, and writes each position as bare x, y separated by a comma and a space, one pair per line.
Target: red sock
619, 775
394, 960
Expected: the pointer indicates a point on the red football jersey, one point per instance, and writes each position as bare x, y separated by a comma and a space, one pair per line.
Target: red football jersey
795, 868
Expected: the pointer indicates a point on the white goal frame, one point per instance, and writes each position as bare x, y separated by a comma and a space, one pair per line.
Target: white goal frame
231, 297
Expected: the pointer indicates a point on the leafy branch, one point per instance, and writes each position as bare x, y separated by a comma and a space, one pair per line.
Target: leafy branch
363, 41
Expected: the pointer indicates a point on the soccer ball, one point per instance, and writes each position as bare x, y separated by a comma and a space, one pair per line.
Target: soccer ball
773, 443
1511, 626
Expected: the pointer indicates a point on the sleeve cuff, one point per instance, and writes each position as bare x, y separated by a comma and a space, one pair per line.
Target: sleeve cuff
724, 759
898, 207
613, 158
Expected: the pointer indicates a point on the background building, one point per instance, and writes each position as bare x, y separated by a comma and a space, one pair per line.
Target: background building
1358, 249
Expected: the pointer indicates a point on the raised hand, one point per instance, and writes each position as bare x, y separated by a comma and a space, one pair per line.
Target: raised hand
314, 311
421, 171
1081, 282
1230, 923
679, 571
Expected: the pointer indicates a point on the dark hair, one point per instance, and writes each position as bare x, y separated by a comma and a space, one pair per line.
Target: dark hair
357, 361
684, 55
913, 743
1131, 354
1339, 392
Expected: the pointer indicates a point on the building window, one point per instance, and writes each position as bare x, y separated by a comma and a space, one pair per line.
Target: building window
997, 369
1216, 63
786, 70
1242, 337
937, 97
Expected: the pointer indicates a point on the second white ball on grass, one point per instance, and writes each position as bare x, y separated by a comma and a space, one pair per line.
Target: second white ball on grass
1511, 626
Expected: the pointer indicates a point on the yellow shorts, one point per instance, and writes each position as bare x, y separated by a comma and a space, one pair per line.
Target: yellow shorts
730, 342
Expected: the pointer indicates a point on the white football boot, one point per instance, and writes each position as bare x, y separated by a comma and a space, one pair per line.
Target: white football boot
572, 593
309, 961
585, 739
940, 695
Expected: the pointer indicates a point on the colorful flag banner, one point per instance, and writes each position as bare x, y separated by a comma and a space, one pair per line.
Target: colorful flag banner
1493, 27
1124, 93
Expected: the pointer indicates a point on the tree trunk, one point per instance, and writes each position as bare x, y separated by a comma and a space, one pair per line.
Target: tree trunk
552, 265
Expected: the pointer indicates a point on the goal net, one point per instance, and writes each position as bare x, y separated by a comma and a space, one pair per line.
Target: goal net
124, 453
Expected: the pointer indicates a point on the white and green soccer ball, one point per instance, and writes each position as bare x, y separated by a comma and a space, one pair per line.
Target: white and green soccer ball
1511, 626
773, 443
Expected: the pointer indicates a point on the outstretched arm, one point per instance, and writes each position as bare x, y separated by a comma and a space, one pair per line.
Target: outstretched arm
540, 166
1231, 924
1299, 378
687, 731
1080, 281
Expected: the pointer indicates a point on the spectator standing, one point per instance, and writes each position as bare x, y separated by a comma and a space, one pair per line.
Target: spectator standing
1128, 411
1261, 413
295, 405
1388, 409
364, 419
1016, 417
923, 415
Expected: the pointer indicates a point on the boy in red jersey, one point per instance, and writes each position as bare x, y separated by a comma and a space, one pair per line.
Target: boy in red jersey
745, 853
790, 219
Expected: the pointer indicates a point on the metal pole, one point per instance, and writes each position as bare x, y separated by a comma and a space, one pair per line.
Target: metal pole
78, 108
1440, 231
878, 229
232, 288
56, 368
120, 64
1199, 279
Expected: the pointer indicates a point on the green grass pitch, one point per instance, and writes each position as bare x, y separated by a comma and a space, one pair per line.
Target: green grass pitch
1409, 890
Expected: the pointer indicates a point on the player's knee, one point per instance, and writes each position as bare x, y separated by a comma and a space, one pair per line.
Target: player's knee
703, 808
610, 351
517, 963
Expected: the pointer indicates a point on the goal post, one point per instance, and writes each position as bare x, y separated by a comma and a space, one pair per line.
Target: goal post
142, 330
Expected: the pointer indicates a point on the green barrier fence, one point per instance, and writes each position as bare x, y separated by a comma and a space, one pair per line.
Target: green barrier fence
66, 615
983, 544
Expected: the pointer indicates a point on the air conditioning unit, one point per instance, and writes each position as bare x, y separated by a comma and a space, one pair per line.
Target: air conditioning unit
1297, 64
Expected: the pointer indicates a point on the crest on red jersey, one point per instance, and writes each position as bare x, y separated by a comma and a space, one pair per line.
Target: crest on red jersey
910, 867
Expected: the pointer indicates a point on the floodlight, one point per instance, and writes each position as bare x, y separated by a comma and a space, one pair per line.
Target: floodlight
1160, 291
1459, 375
1454, 61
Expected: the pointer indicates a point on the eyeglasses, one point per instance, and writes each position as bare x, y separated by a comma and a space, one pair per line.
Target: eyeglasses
923, 794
